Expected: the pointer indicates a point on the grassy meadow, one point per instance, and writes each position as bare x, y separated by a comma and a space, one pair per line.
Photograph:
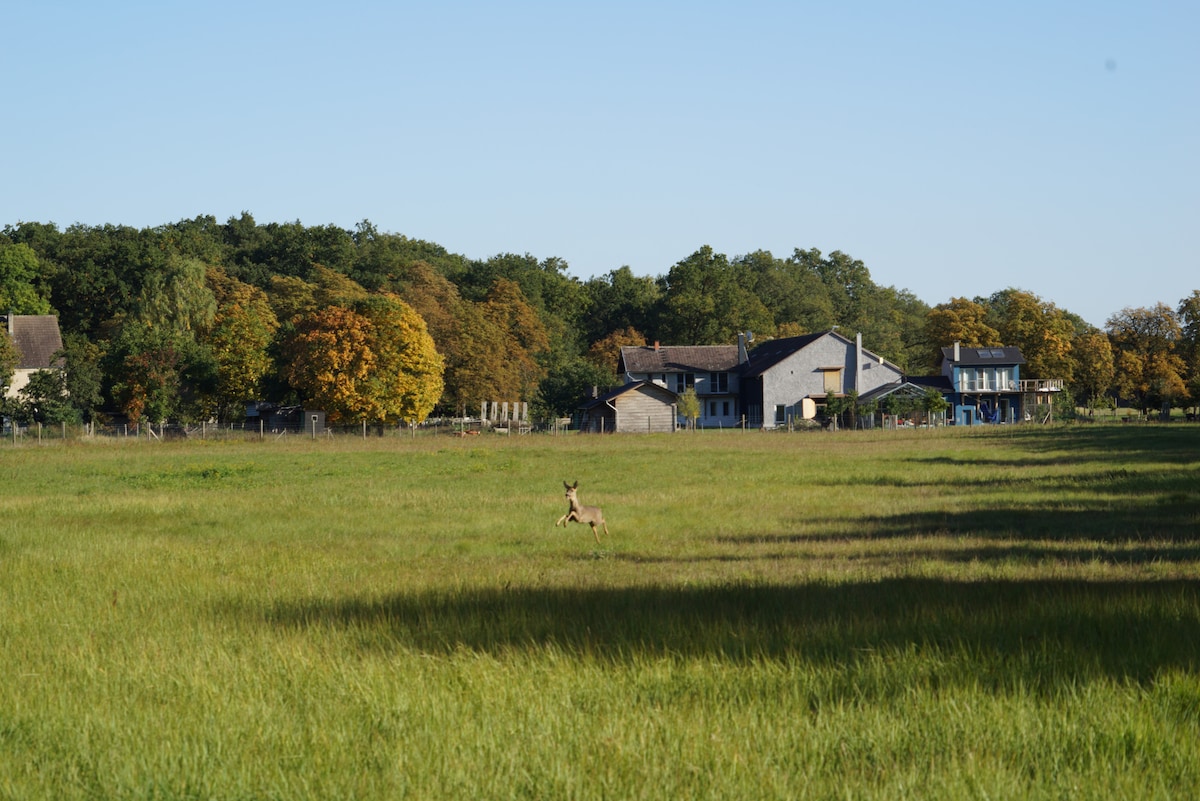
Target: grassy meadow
865, 615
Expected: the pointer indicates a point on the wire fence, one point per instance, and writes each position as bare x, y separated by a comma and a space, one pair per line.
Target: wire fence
465, 427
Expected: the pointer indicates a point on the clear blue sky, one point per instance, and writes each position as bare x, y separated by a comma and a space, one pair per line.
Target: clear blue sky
957, 148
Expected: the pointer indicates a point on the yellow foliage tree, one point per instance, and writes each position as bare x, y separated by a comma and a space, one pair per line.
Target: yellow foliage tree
962, 321
374, 363
239, 338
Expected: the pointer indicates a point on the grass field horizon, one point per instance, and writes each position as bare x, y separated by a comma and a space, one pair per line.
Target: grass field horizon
954, 614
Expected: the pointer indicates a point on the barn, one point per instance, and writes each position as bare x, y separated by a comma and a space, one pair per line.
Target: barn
639, 407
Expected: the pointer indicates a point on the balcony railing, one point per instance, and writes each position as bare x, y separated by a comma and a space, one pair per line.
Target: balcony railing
1042, 385
986, 385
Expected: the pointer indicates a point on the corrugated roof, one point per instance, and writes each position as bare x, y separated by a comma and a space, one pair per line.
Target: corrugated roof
37, 339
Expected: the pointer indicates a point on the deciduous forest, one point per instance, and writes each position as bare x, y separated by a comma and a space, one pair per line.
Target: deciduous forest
189, 320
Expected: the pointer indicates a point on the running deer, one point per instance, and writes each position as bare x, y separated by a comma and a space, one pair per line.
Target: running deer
582, 514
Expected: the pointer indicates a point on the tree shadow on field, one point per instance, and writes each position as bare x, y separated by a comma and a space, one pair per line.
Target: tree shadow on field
1116, 505
1043, 634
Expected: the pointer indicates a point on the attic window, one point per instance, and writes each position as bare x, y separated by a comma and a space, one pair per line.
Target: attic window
985, 354
998, 353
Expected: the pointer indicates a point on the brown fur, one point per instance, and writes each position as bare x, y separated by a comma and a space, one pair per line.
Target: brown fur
582, 514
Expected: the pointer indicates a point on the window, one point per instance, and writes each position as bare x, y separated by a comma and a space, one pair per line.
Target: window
684, 381
712, 408
780, 414
718, 382
725, 408
1004, 379
833, 380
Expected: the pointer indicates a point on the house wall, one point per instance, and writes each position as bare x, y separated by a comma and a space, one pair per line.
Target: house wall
644, 411
708, 393
975, 386
800, 376
19, 380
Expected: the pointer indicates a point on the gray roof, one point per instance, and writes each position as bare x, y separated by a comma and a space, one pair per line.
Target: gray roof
912, 385
983, 356
773, 351
37, 339
667, 395
679, 358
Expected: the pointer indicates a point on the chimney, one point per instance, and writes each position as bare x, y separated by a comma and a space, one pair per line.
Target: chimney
858, 362
957, 355
656, 346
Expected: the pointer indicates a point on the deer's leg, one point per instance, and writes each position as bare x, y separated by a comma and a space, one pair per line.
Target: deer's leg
595, 534
561, 522
605, 527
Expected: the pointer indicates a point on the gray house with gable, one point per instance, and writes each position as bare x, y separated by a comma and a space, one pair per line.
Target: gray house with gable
779, 381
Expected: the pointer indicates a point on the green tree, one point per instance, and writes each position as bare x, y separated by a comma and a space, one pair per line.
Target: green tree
620, 301
19, 274
1189, 344
794, 294
95, 273
934, 404
9, 358
150, 365
44, 399
177, 298
707, 302
84, 374
565, 387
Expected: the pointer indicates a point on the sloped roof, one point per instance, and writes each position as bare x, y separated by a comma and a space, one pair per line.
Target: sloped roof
773, 351
913, 386
37, 339
679, 358
974, 357
667, 395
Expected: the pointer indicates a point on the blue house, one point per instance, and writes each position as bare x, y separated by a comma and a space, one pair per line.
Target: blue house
986, 384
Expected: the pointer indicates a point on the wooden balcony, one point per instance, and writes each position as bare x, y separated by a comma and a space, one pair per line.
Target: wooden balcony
1042, 385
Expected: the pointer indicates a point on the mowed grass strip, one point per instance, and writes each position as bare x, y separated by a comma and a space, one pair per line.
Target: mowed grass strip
871, 615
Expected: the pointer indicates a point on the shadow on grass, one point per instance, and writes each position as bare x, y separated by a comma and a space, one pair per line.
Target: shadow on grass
1042, 634
1119, 446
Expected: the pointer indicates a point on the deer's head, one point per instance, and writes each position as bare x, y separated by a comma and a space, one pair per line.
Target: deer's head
571, 489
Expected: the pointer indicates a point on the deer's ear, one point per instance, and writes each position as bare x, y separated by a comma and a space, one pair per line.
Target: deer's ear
568, 486
576, 485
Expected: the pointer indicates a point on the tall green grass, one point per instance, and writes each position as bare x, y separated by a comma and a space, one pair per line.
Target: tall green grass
1013, 614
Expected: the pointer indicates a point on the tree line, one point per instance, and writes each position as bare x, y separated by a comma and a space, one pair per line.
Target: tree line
189, 320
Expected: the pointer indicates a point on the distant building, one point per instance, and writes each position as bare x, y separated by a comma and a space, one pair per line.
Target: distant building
37, 340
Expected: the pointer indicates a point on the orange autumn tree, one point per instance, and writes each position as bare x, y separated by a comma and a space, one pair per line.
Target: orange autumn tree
374, 362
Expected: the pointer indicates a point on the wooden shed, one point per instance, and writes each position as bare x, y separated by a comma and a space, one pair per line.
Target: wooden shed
641, 407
